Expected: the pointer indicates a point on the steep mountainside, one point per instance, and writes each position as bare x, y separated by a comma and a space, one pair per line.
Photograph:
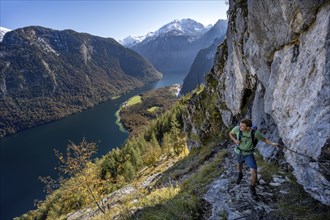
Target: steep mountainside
202, 65
174, 46
47, 74
274, 67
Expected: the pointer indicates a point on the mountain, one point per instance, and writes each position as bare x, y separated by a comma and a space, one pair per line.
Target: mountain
48, 74
204, 59
216, 31
281, 80
173, 47
3, 31
184, 27
131, 41
200, 67
187, 27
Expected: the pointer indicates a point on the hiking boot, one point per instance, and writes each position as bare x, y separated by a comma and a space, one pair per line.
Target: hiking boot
239, 178
253, 192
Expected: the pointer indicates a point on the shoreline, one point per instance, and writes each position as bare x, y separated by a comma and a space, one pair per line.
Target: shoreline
118, 121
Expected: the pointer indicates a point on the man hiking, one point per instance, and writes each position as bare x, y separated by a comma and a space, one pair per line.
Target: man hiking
243, 136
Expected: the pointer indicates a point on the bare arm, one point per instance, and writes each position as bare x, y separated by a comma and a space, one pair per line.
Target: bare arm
232, 137
270, 143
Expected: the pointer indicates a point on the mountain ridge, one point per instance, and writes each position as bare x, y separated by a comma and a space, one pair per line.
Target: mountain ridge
186, 26
178, 48
69, 71
204, 59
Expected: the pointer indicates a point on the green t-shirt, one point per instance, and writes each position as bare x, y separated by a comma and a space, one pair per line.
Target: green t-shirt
246, 141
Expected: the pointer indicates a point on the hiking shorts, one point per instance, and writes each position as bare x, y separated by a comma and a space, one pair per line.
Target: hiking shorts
248, 159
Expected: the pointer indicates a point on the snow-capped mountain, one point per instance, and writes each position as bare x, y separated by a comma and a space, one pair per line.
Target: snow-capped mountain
3, 31
131, 41
173, 47
184, 27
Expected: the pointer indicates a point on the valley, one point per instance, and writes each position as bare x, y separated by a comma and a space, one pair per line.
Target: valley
140, 110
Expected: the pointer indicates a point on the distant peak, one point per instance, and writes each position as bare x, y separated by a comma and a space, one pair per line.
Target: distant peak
3, 31
177, 27
185, 26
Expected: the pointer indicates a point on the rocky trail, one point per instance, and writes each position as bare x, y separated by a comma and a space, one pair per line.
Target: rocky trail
231, 201
234, 201
279, 196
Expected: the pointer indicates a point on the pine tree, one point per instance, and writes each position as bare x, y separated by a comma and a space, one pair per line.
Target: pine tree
129, 171
178, 141
153, 151
167, 145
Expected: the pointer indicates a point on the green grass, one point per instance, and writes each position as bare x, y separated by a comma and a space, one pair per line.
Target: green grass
152, 109
297, 204
159, 196
184, 200
267, 170
134, 100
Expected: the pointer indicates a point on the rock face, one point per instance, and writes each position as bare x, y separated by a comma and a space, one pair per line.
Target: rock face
47, 74
275, 68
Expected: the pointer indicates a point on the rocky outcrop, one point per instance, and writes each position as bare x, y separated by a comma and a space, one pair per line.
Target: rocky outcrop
274, 68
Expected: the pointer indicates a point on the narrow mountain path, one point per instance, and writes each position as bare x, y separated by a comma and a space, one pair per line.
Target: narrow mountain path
232, 201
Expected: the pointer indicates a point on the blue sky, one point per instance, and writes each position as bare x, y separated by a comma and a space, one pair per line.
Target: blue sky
108, 18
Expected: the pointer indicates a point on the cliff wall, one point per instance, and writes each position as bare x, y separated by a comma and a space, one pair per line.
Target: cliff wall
274, 68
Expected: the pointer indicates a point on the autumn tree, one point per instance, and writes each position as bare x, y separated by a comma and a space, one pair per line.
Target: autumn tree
77, 174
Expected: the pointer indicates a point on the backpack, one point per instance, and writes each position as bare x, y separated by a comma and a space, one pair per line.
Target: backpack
254, 140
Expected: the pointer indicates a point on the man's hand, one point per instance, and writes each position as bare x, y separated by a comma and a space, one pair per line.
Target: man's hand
271, 143
234, 139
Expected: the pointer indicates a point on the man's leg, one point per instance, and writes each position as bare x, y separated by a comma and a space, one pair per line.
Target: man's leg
253, 169
239, 168
253, 179
240, 174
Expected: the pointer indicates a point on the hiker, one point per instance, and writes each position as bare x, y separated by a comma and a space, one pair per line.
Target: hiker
242, 136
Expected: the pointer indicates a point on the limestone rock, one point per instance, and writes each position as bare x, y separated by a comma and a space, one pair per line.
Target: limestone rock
274, 68
279, 58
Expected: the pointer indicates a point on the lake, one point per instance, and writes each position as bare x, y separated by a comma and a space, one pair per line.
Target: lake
29, 154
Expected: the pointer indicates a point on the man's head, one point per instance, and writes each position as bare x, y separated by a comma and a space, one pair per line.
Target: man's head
245, 125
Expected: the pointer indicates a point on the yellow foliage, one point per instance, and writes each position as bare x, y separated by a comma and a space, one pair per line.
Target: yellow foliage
151, 155
159, 196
